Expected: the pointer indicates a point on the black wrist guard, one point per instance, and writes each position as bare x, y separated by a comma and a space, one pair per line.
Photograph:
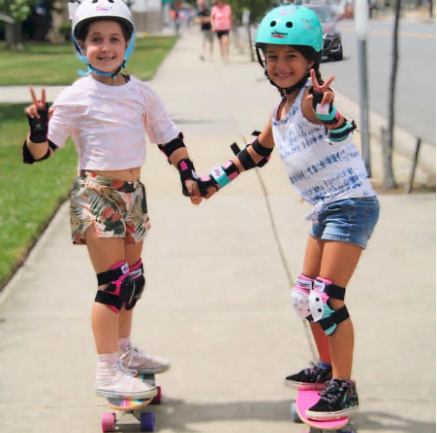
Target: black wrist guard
186, 172
39, 127
28, 157
173, 145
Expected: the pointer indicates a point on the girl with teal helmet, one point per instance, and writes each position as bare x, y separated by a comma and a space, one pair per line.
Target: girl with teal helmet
314, 142
295, 26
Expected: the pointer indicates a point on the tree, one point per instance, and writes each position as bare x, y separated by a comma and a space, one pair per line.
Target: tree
388, 138
257, 8
13, 13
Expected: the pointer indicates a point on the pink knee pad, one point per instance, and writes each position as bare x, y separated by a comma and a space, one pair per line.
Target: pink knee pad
299, 296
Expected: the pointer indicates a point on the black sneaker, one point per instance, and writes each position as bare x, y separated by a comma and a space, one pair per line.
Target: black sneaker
338, 400
310, 378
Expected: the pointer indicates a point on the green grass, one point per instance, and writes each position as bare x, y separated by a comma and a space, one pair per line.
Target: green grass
29, 194
49, 64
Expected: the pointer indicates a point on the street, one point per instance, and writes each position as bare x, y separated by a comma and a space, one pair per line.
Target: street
415, 88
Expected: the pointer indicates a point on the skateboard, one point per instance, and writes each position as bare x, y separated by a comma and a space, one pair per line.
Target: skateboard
307, 398
110, 421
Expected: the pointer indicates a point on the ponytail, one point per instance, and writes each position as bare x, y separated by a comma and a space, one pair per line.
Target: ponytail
316, 68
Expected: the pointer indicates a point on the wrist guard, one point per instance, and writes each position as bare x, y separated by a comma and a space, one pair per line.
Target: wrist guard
173, 145
341, 134
39, 127
219, 177
328, 114
186, 172
28, 157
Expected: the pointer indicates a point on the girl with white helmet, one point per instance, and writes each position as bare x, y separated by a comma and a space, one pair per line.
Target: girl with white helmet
315, 145
108, 114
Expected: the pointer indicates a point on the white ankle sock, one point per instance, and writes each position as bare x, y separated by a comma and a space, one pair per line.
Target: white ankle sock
124, 342
108, 358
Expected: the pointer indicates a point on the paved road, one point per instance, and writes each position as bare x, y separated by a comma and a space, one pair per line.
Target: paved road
217, 294
415, 87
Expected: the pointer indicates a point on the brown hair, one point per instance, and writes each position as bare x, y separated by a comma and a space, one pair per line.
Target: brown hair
311, 56
82, 33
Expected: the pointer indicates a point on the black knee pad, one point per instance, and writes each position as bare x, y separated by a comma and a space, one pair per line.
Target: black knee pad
119, 288
137, 274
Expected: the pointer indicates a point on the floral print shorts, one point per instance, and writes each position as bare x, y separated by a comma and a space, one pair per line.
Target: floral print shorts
116, 208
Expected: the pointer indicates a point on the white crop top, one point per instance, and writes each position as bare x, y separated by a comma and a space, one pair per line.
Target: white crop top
108, 123
319, 171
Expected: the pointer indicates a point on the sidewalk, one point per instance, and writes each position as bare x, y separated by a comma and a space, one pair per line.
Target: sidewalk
217, 298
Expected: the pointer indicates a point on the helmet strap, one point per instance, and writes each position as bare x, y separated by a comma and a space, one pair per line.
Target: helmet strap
106, 74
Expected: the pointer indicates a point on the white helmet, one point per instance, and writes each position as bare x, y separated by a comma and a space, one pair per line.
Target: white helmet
91, 10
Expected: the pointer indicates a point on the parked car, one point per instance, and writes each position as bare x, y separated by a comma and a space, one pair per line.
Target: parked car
332, 46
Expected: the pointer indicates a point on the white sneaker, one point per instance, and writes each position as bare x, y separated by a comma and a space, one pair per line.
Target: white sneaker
117, 381
132, 357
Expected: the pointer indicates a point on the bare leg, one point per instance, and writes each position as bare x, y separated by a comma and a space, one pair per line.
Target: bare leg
211, 45
225, 47
104, 252
133, 254
311, 268
339, 262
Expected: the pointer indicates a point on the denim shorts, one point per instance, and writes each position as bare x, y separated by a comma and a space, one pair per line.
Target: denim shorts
116, 208
351, 220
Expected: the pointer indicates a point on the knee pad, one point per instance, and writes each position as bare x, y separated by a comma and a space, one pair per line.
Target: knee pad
320, 307
137, 274
299, 296
119, 288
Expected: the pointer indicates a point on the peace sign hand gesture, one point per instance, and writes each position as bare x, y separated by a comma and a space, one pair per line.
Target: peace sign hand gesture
320, 94
38, 115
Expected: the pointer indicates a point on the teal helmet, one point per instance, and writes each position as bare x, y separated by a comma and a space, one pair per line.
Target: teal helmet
290, 25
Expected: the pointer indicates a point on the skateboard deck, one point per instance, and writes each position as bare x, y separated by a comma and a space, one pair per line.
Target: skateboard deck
110, 421
307, 398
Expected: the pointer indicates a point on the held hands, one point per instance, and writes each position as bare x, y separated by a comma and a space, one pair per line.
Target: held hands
194, 192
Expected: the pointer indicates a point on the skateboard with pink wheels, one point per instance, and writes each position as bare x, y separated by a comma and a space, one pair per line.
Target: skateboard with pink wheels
111, 421
307, 398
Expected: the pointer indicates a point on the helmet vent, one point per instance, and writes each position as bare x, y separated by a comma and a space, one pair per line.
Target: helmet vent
273, 24
289, 24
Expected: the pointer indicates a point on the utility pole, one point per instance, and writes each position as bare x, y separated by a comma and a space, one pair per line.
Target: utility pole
361, 26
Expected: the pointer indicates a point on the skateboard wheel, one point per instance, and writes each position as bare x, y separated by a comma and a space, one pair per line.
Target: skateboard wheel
158, 397
147, 421
293, 412
108, 421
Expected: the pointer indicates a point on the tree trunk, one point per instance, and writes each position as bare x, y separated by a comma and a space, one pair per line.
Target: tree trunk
388, 141
14, 36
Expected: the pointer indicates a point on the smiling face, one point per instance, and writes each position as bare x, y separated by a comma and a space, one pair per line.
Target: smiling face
285, 65
104, 45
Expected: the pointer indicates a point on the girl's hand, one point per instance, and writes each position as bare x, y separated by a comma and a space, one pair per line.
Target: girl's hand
32, 110
193, 189
328, 94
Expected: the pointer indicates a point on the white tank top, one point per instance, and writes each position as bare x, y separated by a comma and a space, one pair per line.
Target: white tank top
319, 171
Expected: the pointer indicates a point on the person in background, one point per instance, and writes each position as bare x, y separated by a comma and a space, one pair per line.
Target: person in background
221, 19
204, 19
